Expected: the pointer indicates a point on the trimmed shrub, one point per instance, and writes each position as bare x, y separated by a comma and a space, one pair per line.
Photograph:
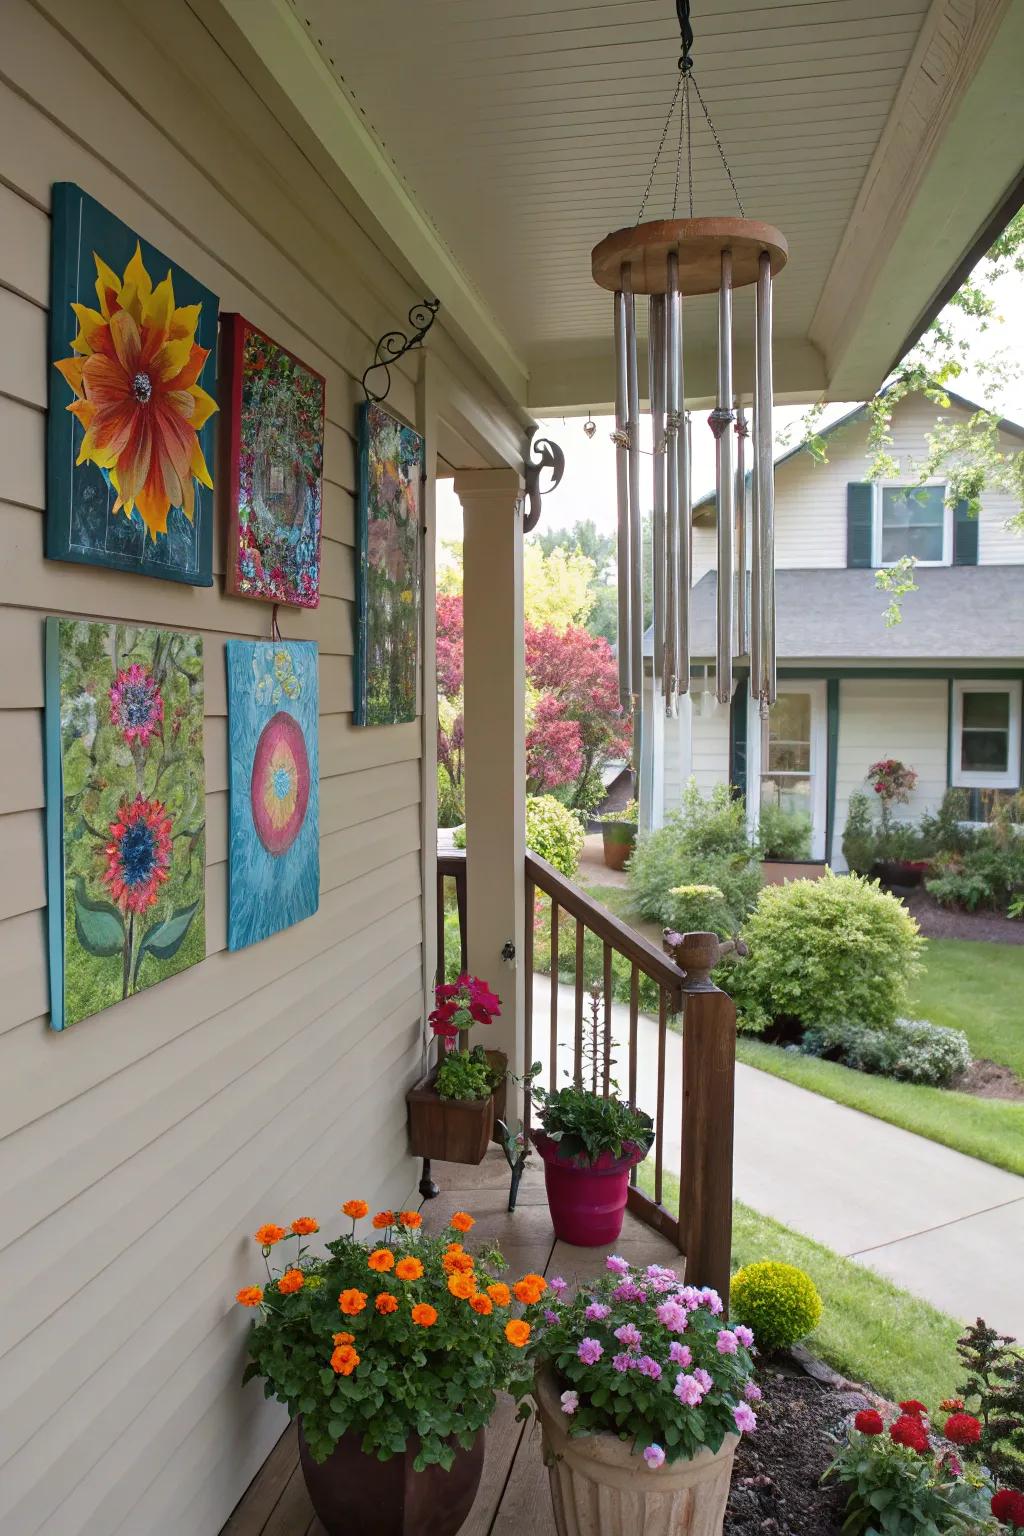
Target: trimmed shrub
554, 833
784, 835
703, 843
859, 837
823, 952
778, 1301
910, 1050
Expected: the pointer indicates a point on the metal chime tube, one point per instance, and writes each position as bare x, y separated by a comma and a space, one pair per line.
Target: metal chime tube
673, 429
684, 452
656, 363
722, 422
765, 481
741, 532
622, 488
635, 569
755, 565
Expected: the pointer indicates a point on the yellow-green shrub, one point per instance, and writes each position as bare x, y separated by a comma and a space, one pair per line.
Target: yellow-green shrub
778, 1301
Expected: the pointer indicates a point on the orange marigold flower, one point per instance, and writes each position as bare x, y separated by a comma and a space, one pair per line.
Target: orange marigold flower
424, 1315
305, 1226
381, 1259
500, 1293
410, 1219
517, 1332
457, 1263
462, 1222
352, 1301
462, 1286
383, 1219
357, 1209
482, 1304
386, 1302
344, 1360
250, 1296
291, 1280
408, 1269
268, 1234
530, 1288
344, 1338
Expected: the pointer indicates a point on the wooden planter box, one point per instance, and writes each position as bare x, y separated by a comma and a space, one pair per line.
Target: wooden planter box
779, 871
450, 1130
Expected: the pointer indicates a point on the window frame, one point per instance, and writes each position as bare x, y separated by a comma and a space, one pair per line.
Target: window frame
963, 778
877, 504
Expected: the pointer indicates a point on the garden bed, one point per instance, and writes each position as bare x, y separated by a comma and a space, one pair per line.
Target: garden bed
937, 922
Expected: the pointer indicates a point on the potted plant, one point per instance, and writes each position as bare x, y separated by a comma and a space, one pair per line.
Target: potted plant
390, 1352
642, 1393
618, 831
588, 1144
784, 843
451, 1109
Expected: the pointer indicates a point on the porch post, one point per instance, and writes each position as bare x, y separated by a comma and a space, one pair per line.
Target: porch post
495, 751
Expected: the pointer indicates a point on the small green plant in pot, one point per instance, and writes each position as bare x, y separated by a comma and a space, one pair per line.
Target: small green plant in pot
588, 1143
618, 831
451, 1112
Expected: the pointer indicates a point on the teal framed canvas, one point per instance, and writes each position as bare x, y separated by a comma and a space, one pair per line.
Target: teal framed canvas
130, 442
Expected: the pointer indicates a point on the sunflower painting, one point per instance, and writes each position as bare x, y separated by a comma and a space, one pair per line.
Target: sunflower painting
126, 811
130, 438
274, 850
389, 576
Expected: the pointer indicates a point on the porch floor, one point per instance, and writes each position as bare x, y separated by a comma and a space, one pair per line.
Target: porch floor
513, 1494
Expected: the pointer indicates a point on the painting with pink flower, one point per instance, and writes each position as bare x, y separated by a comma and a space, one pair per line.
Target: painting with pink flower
389, 569
126, 811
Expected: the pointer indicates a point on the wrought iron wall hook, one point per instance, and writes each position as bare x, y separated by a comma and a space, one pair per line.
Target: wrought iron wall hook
395, 344
542, 454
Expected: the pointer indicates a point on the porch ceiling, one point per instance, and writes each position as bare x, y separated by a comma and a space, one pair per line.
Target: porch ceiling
879, 135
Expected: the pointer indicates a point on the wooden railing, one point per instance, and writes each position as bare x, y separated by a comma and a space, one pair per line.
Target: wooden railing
694, 1043
451, 865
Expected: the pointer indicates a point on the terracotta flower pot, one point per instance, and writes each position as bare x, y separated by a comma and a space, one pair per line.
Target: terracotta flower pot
587, 1203
619, 839
600, 1488
357, 1495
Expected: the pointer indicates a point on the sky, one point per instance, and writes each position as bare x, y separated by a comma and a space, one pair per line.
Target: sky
588, 485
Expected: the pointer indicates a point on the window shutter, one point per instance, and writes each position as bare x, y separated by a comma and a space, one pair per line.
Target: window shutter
859, 501
965, 536
738, 739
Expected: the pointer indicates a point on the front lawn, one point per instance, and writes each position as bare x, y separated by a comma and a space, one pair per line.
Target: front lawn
978, 988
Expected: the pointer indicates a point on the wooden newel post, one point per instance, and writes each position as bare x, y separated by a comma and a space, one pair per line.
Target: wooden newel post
709, 1079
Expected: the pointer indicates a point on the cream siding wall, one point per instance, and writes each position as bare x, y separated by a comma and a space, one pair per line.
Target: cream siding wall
711, 748
140, 1147
904, 718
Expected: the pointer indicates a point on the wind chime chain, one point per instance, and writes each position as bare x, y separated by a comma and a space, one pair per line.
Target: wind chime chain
689, 137
718, 145
684, 76
661, 146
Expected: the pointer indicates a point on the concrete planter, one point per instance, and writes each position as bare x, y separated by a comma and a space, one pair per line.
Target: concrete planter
599, 1488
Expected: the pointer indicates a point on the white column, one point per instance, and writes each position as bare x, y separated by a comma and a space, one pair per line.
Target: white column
495, 751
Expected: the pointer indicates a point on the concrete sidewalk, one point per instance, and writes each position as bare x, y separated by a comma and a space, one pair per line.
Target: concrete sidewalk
944, 1226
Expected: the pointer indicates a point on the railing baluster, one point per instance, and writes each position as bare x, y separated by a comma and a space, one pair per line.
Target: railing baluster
553, 1058
659, 1122
581, 934
528, 1000
607, 981
460, 900
634, 1029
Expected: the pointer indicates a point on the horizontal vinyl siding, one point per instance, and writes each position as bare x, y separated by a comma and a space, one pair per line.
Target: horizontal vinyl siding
139, 1148
710, 747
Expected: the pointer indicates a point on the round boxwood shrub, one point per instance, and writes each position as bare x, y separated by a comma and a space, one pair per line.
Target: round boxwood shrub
778, 1301
823, 953
552, 831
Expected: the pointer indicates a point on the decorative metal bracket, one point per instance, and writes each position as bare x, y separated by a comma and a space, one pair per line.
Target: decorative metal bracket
548, 456
395, 344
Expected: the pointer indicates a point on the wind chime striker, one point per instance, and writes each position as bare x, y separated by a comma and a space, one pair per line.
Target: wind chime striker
670, 260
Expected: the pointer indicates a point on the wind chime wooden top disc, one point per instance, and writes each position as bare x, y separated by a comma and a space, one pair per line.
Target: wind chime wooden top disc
698, 244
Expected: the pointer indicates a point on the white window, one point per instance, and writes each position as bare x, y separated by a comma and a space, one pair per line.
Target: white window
791, 751
986, 735
911, 520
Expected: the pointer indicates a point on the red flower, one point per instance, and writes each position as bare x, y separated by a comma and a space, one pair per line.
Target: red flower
962, 1429
869, 1422
138, 855
1008, 1507
908, 1430
913, 1406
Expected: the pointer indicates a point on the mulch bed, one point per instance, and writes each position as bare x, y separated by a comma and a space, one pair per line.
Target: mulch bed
989, 1080
937, 922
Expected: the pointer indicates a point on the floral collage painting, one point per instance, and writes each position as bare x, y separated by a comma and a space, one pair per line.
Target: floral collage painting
389, 568
126, 811
274, 437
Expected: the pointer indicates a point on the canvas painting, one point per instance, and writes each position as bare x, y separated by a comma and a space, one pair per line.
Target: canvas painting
271, 471
125, 811
390, 565
130, 439
273, 724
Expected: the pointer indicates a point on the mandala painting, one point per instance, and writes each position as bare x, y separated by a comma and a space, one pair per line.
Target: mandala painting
126, 811
389, 583
274, 853
272, 469
130, 440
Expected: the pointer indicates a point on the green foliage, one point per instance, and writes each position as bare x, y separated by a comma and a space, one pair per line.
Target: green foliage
783, 834
583, 795
823, 952
895, 1491
464, 1075
587, 1125
704, 842
554, 833
451, 800
627, 816
699, 909
994, 1389
778, 1301
988, 873
910, 1050
859, 838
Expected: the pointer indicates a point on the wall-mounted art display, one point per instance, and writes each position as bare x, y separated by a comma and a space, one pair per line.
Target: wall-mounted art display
389, 579
129, 441
271, 469
125, 811
273, 727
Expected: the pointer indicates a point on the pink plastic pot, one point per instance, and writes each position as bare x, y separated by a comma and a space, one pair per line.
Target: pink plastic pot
587, 1203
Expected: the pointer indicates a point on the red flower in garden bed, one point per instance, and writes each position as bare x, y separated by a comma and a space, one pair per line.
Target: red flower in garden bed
909, 1430
869, 1422
963, 1429
1008, 1508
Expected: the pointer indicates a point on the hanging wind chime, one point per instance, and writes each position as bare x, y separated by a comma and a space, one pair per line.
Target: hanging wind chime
671, 260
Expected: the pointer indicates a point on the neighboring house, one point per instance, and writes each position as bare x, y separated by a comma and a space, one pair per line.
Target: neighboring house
941, 690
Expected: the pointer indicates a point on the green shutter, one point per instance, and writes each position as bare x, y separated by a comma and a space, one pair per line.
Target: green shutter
965, 536
738, 740
832, 763
859, 501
